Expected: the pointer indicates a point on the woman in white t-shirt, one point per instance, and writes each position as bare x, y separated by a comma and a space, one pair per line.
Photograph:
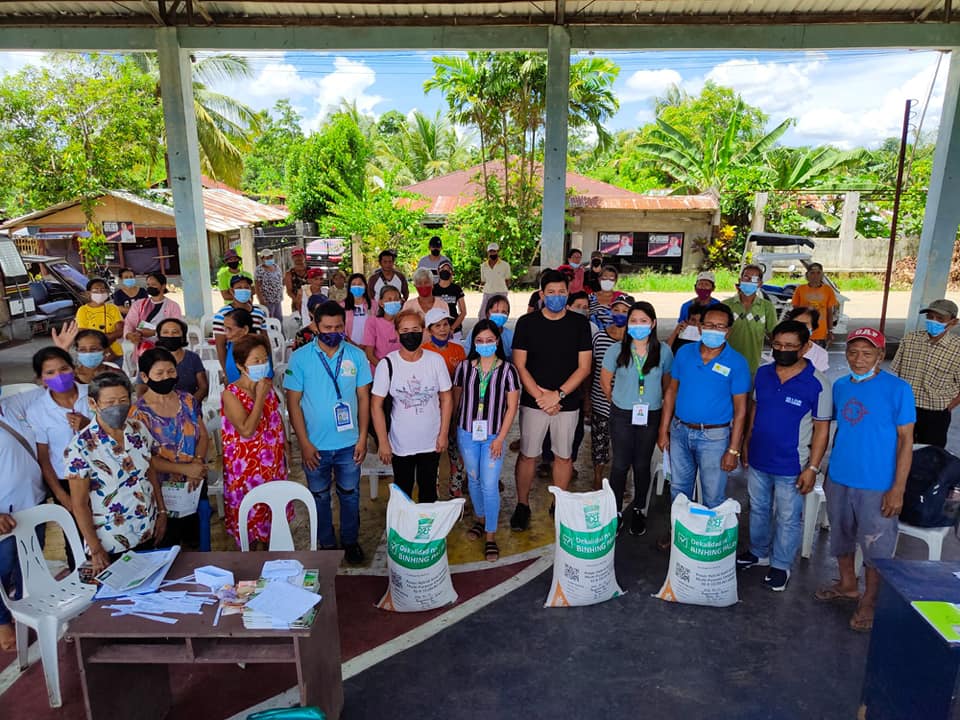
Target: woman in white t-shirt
359, 307
418, 385
810, 317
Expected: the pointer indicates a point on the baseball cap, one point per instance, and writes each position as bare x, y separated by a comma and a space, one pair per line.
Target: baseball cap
707, 275
493, 246
231, 255
298, 251
623, 300
874, 337
435, 241
942, 306
314, 272
266, 252
435, 315
240, 277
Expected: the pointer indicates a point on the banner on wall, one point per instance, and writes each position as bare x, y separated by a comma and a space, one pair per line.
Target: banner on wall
119, 231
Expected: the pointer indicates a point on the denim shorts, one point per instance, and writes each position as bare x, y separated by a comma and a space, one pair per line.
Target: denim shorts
856, 519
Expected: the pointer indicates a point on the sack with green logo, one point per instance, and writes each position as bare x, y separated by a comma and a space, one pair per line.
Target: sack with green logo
417, 553
586, 527
703, 556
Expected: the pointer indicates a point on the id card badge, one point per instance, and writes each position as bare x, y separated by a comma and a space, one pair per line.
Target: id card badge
640, 413
343, 417
480, 430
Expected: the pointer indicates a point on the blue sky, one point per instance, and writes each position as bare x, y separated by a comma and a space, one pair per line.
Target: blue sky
852, 98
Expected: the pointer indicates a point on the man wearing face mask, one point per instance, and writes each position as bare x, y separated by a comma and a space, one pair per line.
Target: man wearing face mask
434, 259
869, 464
703, 288
241, 288
494, 276
452, 294
591, 275
786, 438
232, 267
552, 351
704, 411
328, 396
754, 317
929, 359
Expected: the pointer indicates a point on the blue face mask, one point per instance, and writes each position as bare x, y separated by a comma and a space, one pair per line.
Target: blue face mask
485, 349
639, 332
438, 342
242, 295
619, 319
499, 319
555, 303
129, 282
713, 338
269, 263
865, 376
574, 265
258, 372
90, 359
748, 288
357, 290
392, 307
935, 328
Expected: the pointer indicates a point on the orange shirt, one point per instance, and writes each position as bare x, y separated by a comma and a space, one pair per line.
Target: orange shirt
452, 353
821, 299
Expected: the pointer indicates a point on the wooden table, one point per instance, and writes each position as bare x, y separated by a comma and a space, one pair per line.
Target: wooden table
124, 660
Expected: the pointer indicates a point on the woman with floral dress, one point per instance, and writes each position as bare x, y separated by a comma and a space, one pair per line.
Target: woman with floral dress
253, 438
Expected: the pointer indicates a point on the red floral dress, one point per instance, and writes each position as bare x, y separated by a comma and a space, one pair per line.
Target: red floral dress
249, 462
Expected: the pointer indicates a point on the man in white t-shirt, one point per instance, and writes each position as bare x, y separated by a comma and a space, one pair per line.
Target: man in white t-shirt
495, 276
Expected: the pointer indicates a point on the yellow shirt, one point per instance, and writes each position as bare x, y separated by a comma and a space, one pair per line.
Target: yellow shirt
104, 319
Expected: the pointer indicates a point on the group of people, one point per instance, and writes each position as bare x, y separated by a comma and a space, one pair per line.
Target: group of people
374, 361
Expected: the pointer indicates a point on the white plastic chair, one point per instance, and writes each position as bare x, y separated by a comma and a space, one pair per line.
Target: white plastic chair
215, 488
206, 325
212, 421
214, 380
17, 388
932, 536
47, 604
274, 325
278, 346
814, 517
195, 337
276, 494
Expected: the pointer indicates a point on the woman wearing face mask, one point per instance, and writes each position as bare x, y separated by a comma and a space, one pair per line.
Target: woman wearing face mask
359, 307
117, 501
128, 292
100, 314
238, 324
601, 300
191, 375
498, 312
486, 393
634, 377
254, 446
174, 420
816, 354
144, 316
452, 294
419, 383
425, 300
91, 349
380, 333
268, 281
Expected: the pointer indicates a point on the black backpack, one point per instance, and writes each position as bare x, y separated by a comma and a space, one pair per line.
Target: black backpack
934, 478
388, 398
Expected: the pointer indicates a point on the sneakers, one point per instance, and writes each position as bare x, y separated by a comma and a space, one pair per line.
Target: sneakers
638, 523
353, 553
748, 559
777, 579
520, 520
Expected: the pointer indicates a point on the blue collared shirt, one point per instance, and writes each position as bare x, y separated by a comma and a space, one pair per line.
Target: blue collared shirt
706, 390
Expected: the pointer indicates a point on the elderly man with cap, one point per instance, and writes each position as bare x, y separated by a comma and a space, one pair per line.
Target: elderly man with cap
231, 268
387, 274
268, 282
494, 275
703, 288
435, 259
869, 465
929, 360
296, 277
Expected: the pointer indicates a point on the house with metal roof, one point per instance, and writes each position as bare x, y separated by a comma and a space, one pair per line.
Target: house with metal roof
141, 229
655, 230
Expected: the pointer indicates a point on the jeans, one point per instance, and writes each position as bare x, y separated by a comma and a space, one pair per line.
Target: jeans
421, 468
10, 579
692, 449
632, 448
483, 477
336, 466
781, 492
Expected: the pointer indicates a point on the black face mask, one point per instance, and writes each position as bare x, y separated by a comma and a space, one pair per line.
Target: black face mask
786, 358
153, 292
445, 274
162, 387
233, 265
411, 340
595, 263
435, 251
494, 256
172, 343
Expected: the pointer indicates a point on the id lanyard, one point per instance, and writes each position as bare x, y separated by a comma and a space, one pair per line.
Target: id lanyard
333, 375
638, 363
484, 384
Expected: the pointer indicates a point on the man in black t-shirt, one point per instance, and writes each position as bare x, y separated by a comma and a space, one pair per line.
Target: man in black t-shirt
452, 294
552, 351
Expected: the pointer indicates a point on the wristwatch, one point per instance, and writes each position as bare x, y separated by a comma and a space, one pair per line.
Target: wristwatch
561, 393
814, 468
733, 451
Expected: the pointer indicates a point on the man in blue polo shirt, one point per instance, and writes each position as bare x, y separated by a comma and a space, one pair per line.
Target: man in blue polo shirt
328, 397
786, 438
869, 465
707, 392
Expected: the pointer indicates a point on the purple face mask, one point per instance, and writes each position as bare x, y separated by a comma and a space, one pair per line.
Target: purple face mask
60, 383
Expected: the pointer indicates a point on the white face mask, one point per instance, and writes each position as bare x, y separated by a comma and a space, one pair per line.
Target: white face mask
99, 297
607, 285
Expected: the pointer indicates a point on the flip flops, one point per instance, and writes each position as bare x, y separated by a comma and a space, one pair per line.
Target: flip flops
832, 594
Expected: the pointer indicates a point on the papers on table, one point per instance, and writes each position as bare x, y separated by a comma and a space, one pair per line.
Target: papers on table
283, 602
136, 573
179, 499
156, 606
288, 570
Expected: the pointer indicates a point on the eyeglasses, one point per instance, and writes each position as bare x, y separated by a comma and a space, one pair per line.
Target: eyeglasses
714, 326
784, 346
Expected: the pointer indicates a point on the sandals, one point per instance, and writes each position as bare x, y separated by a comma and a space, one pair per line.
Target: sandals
476, 531
832, 594
491, 551
860, 622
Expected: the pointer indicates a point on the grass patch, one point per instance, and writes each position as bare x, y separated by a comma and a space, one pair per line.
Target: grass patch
649, 281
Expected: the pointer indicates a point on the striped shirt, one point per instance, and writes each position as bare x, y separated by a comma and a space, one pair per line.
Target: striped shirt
258, 313
505, 379
601, 343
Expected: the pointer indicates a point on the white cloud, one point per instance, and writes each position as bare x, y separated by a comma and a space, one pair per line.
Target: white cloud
775, 87
12, 62
348, 82
647, 84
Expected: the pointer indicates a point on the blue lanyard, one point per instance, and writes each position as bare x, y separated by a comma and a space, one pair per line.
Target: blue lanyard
333, 375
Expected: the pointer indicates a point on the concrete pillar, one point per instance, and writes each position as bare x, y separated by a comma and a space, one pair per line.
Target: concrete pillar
555, 147
848, 229
759, 220
356, 253
176, 88
942, 215
248, 250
